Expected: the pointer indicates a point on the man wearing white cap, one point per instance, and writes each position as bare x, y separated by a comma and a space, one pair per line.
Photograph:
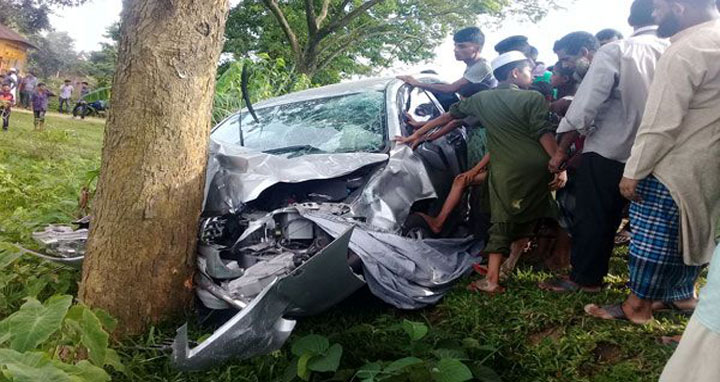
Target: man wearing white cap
520, 142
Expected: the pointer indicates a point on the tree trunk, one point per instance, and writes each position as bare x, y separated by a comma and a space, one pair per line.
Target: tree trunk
141, 250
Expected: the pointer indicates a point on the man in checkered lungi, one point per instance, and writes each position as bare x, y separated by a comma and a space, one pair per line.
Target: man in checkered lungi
672, 176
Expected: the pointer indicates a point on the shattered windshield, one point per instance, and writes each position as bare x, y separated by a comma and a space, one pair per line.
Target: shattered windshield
342, 124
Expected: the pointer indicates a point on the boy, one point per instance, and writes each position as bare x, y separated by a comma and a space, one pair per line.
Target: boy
39, 102
65, 94
520, 141
469, 44
7, 100
81, 105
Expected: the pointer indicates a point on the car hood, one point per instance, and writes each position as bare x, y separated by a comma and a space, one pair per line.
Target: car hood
238, 175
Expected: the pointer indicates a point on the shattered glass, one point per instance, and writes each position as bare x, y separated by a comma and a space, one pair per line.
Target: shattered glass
342, 124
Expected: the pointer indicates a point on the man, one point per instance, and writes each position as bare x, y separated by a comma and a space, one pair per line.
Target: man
66, 91
81, 105
515, 43
577, 50
469, 44
12, 78
607, 110
672, 174
608, 35
27, 87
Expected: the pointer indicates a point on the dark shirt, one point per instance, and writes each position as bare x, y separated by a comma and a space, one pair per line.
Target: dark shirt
39, 100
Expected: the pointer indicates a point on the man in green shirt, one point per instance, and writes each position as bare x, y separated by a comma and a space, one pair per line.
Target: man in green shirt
520, 142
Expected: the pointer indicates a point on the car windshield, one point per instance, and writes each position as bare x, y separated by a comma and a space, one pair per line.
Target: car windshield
342, 124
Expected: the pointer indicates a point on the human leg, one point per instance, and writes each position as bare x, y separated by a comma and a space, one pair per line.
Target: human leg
460, 184
597, 216
6, 119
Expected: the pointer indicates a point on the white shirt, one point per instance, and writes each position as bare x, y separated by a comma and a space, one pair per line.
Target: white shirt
66, 91
610, 101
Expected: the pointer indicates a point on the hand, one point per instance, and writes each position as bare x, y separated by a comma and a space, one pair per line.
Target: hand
558, 162
628, 189
411, 140
410, 80
417, 142
412, 122
559, 181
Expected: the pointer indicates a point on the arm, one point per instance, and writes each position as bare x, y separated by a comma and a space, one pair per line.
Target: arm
441, 88
559, 160
548, 143
439, 121
452, 125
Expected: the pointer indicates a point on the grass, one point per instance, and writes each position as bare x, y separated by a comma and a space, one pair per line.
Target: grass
540, 336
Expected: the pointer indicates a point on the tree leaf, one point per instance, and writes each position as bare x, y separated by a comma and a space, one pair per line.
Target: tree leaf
112, 359
312, 344
369, 371
83, 371
30, 367
108, 321
402, 364
459, 355
415, 330
485, 374
94, 338
330, 361
451, 370
302, 366
8, 254
34, 323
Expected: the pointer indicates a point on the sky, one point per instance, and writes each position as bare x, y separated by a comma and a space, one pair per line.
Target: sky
87, 24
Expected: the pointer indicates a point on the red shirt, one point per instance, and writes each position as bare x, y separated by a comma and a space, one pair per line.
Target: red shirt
7, 97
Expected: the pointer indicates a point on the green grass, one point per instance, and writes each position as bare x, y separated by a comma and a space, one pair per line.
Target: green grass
541, 337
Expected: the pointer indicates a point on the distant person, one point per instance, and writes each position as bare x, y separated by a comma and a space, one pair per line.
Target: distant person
39, 102
66, 91
82, 105
7, 100
469, 44
13, 80
516, 43
607, 36
27, 87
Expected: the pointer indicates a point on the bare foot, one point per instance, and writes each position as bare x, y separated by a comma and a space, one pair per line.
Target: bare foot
486, 286
432, 223
679, 306
671, 341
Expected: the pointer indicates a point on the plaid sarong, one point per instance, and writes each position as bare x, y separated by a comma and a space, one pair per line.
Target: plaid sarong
657, 269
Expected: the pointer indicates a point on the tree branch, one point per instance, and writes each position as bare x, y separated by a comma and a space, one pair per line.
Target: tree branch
345, 20
285, 26
310, 17
347, 44
323, 13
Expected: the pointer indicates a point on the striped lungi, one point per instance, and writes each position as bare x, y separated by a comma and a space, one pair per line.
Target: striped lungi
657, 269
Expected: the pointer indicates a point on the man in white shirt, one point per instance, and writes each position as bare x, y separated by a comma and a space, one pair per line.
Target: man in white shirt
607, 110
66, 91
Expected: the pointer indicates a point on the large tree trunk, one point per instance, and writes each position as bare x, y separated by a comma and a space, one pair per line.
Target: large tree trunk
141, 251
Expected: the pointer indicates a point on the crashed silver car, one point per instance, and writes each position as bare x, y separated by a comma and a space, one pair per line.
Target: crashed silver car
310, 202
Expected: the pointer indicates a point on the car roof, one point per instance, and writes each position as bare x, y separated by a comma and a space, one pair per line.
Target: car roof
350, 87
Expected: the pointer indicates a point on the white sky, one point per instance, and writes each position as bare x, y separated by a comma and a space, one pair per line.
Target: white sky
87, 24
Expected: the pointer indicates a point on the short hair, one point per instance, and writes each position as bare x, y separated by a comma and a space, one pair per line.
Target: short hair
5, 84
41, 84
609, 33
503, 73
574, 42
543, 88
518, 43
67, 81
563, 70
533, 52
85, 83
470, 89
641, 13
470, 34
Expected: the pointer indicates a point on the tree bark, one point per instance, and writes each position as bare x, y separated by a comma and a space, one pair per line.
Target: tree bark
141, 251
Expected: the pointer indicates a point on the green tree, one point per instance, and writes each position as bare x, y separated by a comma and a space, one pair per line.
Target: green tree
55, 55
31, 16
101, 63
328, 39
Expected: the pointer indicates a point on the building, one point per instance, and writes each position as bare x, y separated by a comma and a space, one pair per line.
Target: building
13, 49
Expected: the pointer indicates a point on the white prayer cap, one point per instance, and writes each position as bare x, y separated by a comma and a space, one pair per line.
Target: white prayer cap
507, 58
13, 70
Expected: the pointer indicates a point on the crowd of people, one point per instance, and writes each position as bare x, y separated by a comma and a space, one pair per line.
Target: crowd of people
34, 95
619, 125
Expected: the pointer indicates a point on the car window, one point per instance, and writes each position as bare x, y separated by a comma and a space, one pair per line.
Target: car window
348, 123
418, 104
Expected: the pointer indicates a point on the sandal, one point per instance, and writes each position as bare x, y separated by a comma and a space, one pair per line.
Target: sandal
672, 306
485, 287
615, 313
671, 342
564, 285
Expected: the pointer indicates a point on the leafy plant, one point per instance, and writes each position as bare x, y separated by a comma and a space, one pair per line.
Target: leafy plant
55, 341
313, 354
